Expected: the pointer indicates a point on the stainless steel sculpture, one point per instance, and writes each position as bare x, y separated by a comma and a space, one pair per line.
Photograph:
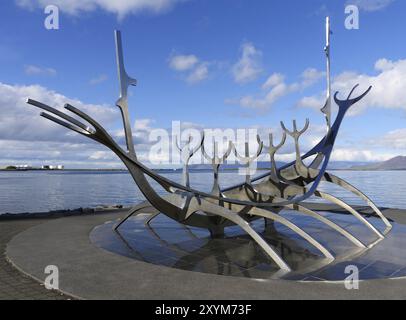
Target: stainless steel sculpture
263, 197
327, 107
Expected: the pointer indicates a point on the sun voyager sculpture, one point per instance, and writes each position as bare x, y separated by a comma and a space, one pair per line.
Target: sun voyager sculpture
262, 197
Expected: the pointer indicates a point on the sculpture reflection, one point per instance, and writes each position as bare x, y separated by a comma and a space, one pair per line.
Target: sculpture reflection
167, 243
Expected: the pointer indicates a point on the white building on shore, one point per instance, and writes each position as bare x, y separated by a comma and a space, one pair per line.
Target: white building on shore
23, 167
52, 167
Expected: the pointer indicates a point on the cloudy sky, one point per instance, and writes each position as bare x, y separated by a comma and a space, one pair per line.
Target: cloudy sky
209, 64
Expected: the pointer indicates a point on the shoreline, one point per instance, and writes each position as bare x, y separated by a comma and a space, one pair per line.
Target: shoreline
62, 213
179, 170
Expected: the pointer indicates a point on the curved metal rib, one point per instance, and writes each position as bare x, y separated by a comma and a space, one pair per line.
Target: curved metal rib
294, 189
341, 203
311, 213
328, 222
270, 215
59, 114
152, 217
346, 185
63, 123
134, 210
346, 206
235, 218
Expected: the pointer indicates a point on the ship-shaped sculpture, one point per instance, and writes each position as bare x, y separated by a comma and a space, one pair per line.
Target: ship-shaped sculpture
263, 197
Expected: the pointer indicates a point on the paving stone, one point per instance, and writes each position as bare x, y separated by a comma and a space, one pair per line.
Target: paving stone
13, 284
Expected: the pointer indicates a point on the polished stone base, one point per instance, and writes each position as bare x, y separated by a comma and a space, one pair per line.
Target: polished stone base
168, 243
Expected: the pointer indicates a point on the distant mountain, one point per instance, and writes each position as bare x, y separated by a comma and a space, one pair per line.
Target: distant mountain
397, 163
262, 165
345, 165
265, 165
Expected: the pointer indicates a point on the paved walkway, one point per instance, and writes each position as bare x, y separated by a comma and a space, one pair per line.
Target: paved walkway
14, 284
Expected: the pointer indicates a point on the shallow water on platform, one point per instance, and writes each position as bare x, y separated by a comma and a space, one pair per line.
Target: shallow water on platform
39, 191
168, 243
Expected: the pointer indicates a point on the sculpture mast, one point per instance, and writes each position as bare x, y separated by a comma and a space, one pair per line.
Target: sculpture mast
327, 107
125, 81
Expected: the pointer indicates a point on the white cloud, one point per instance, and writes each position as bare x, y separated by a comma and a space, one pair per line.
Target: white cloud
276, 88
310, 76
395, 139
370, 5
388, 87
273, 81
102, 155
143, 124
99, 79
352, 154
248, 68
119, 7
27, 137
314, 102
183, 62
366, 149
18, 120
32, 70
200, 73
196, 70
384, 65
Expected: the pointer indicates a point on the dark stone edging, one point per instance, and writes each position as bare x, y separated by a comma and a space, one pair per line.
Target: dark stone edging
61, 213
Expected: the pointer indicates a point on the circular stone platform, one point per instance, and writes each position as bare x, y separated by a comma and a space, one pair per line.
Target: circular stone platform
90, 272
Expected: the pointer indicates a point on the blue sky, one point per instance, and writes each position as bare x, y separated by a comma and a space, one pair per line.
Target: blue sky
203, 62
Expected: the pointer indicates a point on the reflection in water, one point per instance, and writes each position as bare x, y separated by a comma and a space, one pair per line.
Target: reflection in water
171, 244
